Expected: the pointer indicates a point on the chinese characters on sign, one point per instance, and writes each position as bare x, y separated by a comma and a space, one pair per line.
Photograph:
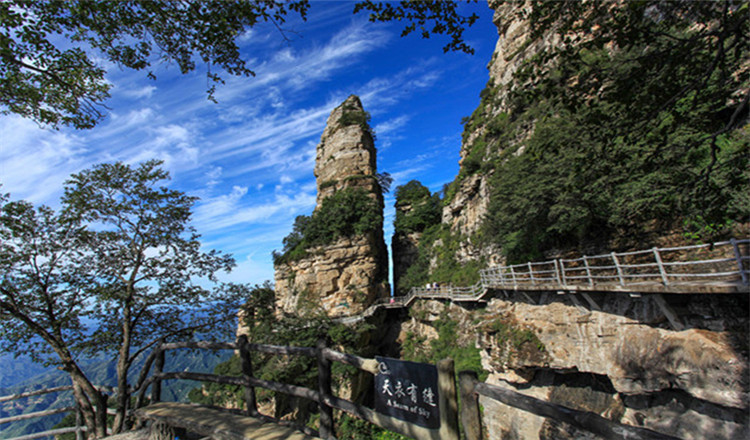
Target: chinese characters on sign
408, 391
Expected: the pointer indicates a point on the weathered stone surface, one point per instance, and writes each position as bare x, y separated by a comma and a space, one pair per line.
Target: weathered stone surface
623, 361
344, 277
346, 153
467, 209
405, 251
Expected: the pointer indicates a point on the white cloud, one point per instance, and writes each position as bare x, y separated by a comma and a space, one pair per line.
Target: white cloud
251, 270
139, 93
230, 210
35, 162
213, 175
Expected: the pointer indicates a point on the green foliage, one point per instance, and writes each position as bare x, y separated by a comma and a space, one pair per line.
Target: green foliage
516, 336
301, 331
121, 254
351, 115
440, 246
355, 115
466, 357
443, 16
346, 213
354, 428
424, 208
46, 76
328, 184
622, 135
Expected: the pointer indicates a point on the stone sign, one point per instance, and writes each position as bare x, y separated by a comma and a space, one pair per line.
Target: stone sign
408, 391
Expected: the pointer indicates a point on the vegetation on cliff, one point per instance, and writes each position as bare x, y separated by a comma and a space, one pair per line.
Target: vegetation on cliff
614, 132
418, 211
345, 213
416, 208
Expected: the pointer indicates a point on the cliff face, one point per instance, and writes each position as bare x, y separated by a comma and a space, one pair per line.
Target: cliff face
615, 355
620, 360
467, 207
345, 276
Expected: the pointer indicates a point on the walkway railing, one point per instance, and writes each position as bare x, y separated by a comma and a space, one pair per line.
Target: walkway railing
79, 427
722, 267
723, 262
323, 395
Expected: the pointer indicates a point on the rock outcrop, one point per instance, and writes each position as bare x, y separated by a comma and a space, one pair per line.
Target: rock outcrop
616, 356
468, 206
347, 275
620, 360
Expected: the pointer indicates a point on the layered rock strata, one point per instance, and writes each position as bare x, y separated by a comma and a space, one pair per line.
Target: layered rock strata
346, 276
619, 359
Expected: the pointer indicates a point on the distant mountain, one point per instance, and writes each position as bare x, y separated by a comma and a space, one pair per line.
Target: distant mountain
16, 370
21, 374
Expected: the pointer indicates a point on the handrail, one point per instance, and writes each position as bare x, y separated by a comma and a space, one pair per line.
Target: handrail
564, 274
323, 396
78, 428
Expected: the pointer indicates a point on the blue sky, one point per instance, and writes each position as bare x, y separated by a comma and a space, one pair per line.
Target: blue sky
250, 157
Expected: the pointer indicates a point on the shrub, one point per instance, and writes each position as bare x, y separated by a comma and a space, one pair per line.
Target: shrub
346, 213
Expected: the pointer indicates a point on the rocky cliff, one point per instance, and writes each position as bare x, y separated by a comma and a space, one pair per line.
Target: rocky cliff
340, 265
466, 205
611, 354
616, 356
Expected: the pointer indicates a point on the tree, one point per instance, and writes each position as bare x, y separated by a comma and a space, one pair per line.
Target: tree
416, 208
120, 253
48, 48
60, 83
46, 285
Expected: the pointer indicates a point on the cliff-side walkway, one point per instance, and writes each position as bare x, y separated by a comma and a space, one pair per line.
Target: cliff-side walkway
714, 268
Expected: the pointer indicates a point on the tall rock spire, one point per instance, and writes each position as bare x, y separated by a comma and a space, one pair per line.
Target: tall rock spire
346, 270
346, 152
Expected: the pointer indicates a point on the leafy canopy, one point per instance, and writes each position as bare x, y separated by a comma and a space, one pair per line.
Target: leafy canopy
634, 122
116, 270
51, 50
416, 208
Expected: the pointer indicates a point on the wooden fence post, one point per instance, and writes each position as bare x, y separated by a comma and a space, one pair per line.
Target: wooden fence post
247, 371
470, 416
158, 369
619, 269
324, 389
448, 400
659, 263
738, 257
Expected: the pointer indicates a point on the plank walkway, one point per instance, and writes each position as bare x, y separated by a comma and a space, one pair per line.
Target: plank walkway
217, 424
714, 268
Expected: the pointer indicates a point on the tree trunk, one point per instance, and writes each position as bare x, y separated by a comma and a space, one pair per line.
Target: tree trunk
93, 403
123, 365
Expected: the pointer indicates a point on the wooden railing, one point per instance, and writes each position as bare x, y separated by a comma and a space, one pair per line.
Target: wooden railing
722, 267
720, 263
323, 396
470, 390
79, 427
